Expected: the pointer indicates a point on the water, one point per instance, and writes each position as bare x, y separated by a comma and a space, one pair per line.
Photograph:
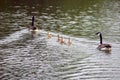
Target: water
27, 57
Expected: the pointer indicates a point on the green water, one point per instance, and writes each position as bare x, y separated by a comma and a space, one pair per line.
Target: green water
71, 17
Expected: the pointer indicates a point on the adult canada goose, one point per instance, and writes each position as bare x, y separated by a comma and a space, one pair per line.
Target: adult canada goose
102, 46
32, 27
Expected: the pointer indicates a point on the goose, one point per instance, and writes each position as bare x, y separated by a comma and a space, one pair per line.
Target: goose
33, 28
58, 40
102, 46
49, 35
69, 42
62, 40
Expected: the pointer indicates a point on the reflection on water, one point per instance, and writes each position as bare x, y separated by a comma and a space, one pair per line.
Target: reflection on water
23, 57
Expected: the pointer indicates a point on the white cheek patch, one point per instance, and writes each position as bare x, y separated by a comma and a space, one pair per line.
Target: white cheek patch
98, 34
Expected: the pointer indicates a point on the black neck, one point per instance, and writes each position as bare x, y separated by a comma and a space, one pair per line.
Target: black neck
33, 21
100, 38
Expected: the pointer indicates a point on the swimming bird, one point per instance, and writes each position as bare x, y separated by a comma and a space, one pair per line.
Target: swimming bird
58, 40
32, 27
69, 42
102, 46
62, 40
49, 35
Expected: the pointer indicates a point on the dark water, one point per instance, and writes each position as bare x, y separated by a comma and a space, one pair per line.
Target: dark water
23, 57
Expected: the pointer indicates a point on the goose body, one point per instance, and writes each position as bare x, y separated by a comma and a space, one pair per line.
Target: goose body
58, 40
69, 42
62, 40
102, 46
49, 35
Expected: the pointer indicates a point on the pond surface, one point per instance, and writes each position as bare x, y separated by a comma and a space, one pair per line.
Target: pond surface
24, 56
